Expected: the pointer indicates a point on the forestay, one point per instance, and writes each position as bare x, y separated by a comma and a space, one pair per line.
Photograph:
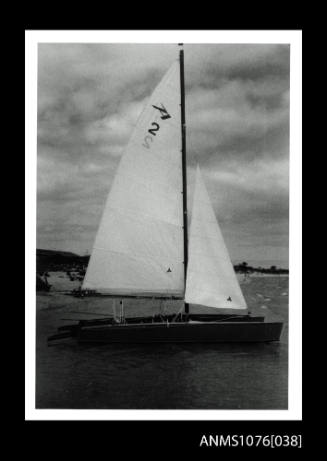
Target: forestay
211, 280
139, 245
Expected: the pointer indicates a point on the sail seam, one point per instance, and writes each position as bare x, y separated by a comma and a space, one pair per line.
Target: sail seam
151, 218
205, 237
213, 293
151, 157
210, 221
145, 185
137, 257
159, 89
207, 270
168, 161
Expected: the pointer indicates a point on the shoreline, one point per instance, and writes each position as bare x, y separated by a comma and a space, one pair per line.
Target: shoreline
260, 274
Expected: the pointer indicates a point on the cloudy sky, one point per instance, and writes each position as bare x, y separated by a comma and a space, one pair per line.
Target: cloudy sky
237, 114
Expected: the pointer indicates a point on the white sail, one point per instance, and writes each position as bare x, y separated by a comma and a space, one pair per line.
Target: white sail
211, 280
139, 245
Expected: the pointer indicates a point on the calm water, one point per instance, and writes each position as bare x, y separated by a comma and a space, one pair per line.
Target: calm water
170, 376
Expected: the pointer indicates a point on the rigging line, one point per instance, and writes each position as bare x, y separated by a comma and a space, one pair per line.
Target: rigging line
178, 313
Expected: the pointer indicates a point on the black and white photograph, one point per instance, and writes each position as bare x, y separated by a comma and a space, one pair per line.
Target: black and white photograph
162, 258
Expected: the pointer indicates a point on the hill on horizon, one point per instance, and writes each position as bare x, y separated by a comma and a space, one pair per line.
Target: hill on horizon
48, 260
41, 251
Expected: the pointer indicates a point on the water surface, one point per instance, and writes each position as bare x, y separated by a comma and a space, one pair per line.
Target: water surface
161, 376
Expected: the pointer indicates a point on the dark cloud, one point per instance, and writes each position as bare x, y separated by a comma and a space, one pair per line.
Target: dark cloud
237, 111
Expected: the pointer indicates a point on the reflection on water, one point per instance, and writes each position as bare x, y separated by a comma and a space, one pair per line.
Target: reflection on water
158, 376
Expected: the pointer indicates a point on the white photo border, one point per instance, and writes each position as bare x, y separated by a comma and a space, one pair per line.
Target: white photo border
292, 37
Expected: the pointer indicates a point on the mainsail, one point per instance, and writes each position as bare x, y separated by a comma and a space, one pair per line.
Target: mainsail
139, 245
211, 280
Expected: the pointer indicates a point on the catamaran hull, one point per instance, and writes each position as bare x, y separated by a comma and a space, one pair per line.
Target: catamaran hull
187, 332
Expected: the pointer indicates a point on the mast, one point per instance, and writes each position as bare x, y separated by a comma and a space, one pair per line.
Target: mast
183, 125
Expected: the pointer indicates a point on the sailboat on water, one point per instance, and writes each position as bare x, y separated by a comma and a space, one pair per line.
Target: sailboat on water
142, 249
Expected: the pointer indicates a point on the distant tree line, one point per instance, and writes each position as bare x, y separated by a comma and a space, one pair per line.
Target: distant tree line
244, 268
49, 260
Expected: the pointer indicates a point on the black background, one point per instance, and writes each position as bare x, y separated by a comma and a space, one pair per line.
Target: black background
114, 439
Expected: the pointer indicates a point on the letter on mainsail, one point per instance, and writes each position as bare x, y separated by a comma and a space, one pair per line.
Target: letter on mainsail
139, 245
211, 280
